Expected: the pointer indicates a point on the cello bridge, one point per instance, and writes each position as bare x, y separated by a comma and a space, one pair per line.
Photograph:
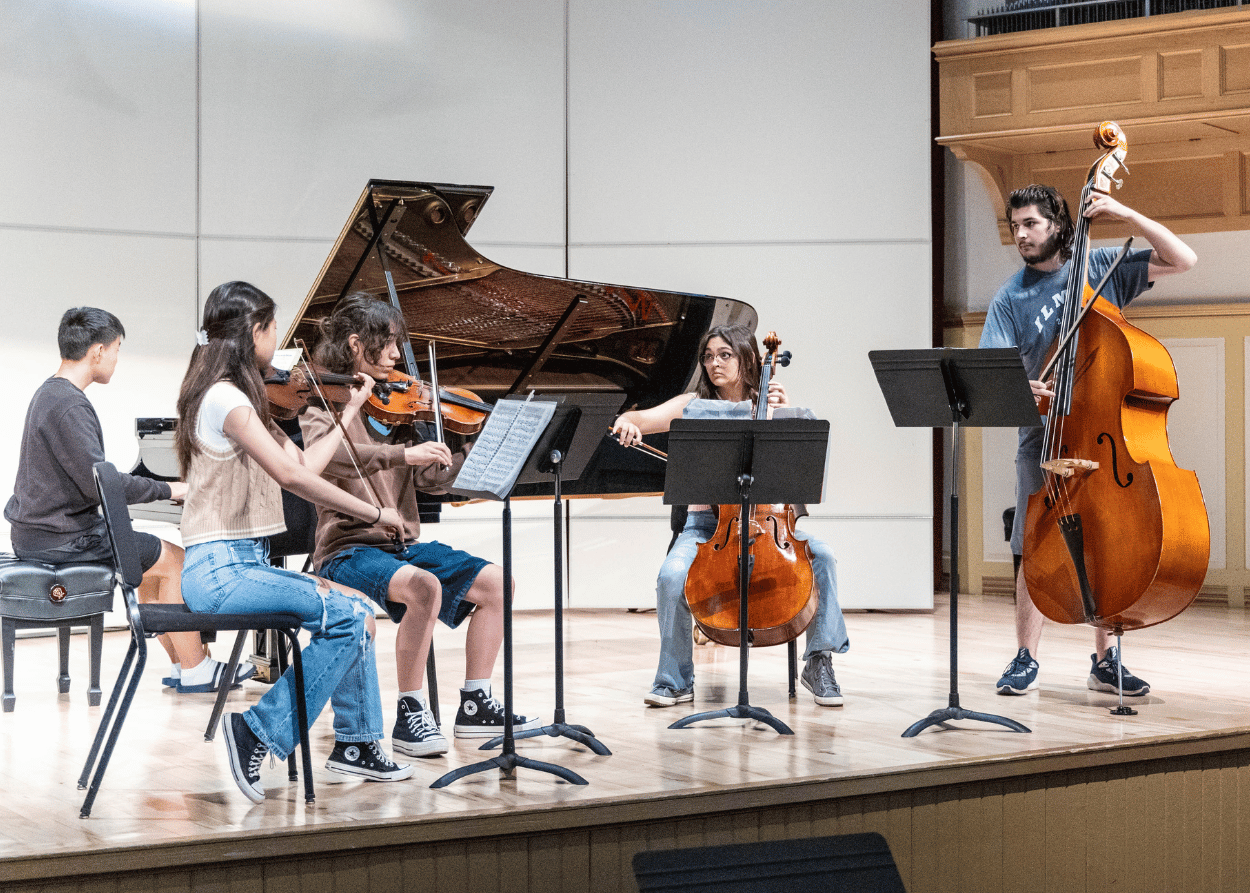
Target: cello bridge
1068, 467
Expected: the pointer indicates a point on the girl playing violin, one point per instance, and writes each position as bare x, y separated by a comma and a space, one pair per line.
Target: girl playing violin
236, 464
730, 363
415, 582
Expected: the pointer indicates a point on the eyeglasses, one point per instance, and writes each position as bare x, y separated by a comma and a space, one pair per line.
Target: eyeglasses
724, 356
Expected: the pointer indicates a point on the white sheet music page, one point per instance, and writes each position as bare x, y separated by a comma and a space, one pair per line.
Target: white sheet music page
500, 451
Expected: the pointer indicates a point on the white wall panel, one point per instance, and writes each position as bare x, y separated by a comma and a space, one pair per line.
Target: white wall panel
304, 102
97, 102
284, 270
740, 121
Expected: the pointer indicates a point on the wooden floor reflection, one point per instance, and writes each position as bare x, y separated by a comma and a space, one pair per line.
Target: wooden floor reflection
168, 786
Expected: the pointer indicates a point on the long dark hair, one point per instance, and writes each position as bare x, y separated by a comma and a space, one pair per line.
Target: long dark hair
230, 313
373, 320
741, 341
1052, 206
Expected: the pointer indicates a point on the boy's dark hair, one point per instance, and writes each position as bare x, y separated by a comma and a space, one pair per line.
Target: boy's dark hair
1052, 206
82, 327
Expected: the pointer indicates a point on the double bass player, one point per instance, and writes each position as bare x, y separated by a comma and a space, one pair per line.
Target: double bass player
1025, 313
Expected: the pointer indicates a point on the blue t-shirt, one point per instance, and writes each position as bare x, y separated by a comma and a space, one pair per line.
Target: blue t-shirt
1026, 311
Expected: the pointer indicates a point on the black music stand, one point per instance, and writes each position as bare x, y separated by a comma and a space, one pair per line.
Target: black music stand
946, 388
508, 759
565, 448
723, 461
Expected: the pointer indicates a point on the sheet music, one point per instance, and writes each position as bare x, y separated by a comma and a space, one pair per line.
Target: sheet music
500, 450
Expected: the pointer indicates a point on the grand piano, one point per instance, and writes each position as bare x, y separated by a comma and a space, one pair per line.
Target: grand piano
499, 331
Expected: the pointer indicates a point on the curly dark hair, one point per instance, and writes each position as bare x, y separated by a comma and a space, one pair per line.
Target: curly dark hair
366, 316
1052, 206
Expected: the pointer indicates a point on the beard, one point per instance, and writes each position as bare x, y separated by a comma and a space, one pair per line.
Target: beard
1044, 252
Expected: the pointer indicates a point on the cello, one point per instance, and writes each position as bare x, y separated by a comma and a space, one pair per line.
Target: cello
1118, 536
781, 597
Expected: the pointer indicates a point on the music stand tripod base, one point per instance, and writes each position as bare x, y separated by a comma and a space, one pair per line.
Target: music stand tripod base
956, 712
738, 711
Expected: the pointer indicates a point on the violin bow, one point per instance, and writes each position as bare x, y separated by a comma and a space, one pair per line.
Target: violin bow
641, 447
347, 441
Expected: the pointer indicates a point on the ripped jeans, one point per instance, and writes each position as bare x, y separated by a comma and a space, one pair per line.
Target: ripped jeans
234, 577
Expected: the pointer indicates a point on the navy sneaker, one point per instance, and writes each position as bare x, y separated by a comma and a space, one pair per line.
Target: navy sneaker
246, 752
1104, 676
481, 716
1020, 675
663, 696
366, 759
416, 733
216, 673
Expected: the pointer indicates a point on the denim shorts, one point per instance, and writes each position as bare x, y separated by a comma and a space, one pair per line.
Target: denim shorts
370, 570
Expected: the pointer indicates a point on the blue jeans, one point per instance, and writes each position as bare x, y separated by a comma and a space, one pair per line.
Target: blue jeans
234, 577
827, 631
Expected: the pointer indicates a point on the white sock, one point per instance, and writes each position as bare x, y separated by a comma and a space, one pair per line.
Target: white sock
200, 673
471, 685
418, 696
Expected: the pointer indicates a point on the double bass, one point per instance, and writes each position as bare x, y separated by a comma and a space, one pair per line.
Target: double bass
1118, 535
781, 597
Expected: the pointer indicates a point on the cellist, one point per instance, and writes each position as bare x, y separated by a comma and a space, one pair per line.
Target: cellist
1025, 314
730, 370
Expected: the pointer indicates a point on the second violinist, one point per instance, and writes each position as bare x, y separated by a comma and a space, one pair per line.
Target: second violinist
415, 582
730, 372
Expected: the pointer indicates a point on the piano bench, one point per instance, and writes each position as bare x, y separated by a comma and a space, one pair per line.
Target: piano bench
34, 595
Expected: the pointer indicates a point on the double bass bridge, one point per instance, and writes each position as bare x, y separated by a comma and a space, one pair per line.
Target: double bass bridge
1068, 467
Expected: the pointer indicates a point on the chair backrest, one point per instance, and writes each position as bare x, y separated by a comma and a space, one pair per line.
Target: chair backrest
117, 518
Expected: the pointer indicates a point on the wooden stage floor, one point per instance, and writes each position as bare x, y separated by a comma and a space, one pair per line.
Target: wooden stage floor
169, 788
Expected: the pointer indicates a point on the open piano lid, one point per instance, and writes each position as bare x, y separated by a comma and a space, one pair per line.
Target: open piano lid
499, 331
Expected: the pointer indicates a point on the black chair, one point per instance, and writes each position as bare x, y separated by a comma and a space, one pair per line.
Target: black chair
151, 620
852, 863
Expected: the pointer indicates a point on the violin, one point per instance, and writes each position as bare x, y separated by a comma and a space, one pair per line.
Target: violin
290, 391
1118, 535
781, 597
402, 399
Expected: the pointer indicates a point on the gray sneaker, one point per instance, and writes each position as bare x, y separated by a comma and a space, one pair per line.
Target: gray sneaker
818, 679
663, 696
